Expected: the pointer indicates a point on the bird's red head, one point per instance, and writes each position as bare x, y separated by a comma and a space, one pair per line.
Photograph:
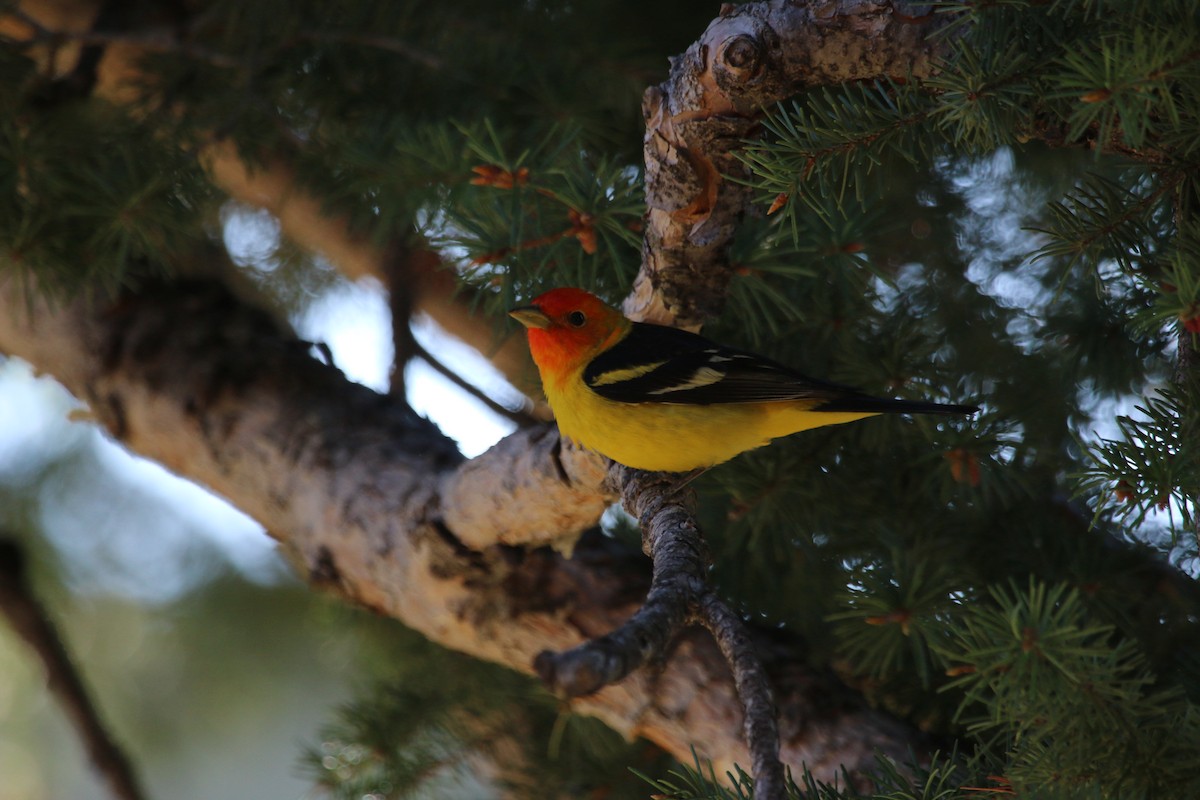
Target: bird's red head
567, 328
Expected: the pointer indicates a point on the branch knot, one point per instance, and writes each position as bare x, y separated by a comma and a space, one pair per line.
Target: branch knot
743, 57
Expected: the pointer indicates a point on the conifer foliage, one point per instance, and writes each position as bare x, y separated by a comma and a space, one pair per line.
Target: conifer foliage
1018, 227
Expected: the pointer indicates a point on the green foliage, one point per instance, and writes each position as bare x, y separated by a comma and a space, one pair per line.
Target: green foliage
1125, 85
1056, 696
552, 214
938, 779
1119, 81
91, 198
898, 608
1125, 221
1064, 705
428, 729
1177, 288
985, 94
1156, 464
1059, 705
836, 142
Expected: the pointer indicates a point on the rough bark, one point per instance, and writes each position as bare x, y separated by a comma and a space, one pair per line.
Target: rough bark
355, 488
751, 57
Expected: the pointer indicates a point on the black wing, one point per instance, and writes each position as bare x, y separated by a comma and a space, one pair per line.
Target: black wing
655, 363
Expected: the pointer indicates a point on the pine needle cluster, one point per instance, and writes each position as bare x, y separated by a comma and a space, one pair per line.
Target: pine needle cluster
468, 728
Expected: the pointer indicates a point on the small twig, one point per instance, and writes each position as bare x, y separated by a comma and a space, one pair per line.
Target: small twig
399, 292
400, 283
679, 595
520, 417
377, 42
1187, 360
1187, 375
167, 40
29, 620
754, 689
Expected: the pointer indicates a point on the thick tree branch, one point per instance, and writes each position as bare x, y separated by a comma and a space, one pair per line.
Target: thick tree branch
748, 59
531, 489
371, 501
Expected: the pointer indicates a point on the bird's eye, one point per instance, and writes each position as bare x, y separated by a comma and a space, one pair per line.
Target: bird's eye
577, 318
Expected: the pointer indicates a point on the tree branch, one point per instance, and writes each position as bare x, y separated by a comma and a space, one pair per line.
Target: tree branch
520, 416
753, 687
432, 289
748, 59
30, 621
679, 595
671, 539
752, 56
369, 500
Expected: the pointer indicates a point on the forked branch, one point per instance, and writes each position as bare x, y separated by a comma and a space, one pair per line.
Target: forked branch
679, 596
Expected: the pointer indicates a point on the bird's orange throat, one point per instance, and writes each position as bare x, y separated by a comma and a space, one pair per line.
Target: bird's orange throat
557, 353
562, 353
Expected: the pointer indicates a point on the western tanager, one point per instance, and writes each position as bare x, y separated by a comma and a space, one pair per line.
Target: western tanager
663, 399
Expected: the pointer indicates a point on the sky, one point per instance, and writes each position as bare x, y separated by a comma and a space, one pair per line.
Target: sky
353, 319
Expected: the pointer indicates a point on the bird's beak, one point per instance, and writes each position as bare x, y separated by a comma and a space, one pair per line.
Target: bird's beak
530, 316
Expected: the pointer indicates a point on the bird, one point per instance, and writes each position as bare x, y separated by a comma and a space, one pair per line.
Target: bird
662, 399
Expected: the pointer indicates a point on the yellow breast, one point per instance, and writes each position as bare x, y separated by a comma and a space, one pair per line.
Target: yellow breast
671, 437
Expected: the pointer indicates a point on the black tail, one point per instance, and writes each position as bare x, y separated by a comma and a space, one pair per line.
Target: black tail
880, 405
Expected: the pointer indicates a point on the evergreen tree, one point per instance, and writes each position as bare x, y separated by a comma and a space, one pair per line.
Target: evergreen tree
969, 202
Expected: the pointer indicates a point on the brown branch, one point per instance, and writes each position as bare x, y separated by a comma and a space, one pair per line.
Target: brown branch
152, 40
30, 621
405, 269
433, 288
167, 39
390, 44
398, 283
752, 56
749, 58
368, 500
679, 595
754, 689
680, 559
529, 490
